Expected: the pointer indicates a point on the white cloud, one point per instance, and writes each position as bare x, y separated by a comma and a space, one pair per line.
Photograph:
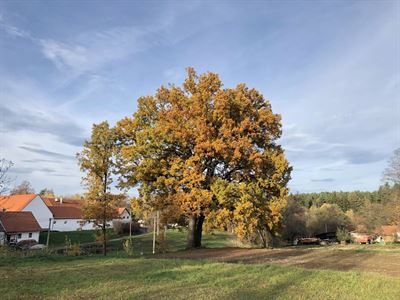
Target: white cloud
13, 30
93, 50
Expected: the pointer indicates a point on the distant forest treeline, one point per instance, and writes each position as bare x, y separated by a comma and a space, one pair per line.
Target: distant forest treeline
354, 201
309, 214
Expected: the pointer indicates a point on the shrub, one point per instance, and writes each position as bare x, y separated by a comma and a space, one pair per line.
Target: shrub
342, 235
6, 251
128, 247
72, 249
121, 227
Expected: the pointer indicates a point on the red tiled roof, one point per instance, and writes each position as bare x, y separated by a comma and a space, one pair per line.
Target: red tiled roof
121, 210
15, 202
69, 208
22, 221
65, 202
64, 208
390, 229
66, 212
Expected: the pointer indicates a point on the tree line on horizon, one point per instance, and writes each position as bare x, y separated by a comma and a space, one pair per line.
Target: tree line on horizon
308, 214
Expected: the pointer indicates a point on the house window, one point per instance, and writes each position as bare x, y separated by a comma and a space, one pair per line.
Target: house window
19, 235
78, 222
54, 222
65, 222
30, 234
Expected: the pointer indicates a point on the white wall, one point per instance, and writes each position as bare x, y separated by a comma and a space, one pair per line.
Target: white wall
125, 216
40, 211
25, 236
70, 225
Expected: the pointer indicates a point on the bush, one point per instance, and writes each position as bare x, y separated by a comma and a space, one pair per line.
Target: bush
128, 247
72, 249
121, 227
6, 251
25, 244
343, 235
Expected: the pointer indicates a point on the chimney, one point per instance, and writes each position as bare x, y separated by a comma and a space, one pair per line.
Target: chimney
61, 200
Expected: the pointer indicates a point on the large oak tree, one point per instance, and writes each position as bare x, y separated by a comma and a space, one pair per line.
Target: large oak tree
185, 147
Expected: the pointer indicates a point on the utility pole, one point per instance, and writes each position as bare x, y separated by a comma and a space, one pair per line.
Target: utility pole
154, 234
130, 226
158, 222
48, 234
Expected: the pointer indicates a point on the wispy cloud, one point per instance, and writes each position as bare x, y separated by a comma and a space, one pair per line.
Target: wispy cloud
323, 180
12, 30
65, 130
93, 50
47, 153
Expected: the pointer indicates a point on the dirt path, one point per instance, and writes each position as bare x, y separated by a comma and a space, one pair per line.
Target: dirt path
386, 263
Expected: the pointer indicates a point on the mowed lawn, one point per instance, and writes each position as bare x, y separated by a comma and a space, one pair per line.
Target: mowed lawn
135, 278
176, 240
144, 277
57, 239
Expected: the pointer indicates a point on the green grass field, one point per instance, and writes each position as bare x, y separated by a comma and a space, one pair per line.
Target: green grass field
143, 277
176, 240
123, 278
85, 236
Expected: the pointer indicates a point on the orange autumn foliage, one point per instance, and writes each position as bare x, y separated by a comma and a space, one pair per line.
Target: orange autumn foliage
184, 143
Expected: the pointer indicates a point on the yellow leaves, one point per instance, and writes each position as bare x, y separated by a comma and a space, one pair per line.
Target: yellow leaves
207, 150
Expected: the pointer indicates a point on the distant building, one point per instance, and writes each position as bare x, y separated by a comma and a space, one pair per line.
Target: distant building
68, 215
124, 214
18, 226
61, 214
390, 233
30, 202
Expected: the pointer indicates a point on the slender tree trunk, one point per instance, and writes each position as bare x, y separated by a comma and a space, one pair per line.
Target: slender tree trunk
104, 239
195, 231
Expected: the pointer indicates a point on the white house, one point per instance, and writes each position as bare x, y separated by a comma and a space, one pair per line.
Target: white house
67, 215
18, 226
30, 202
124, 214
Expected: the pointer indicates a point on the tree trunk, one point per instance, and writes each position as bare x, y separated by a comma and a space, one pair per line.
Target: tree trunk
104, 239
195, 231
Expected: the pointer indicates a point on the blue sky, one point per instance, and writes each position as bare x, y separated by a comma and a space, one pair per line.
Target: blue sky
330, 68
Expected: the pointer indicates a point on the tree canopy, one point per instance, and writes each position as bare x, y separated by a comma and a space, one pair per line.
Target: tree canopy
392, 171
5, 180
23, 188
97, 160
201, 149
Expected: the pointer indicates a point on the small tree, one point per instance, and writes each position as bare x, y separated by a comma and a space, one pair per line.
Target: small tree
5, 180
326, 218
24, 188
294, 223
96, 159
342, 235
392, 171
48, 193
